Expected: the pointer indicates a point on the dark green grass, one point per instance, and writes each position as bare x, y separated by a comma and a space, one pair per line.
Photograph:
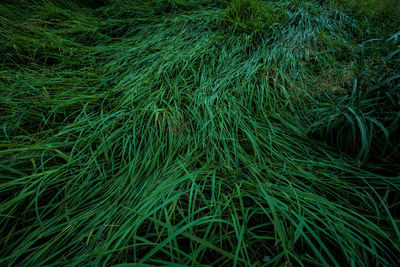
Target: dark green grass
179, 132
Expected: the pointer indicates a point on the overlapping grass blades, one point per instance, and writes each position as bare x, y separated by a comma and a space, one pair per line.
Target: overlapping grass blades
370, 114
375, 9
157, 132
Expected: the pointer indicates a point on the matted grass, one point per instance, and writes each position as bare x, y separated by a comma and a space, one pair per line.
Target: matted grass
198, 133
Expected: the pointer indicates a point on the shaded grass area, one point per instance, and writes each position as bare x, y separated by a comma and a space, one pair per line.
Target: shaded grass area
183, 132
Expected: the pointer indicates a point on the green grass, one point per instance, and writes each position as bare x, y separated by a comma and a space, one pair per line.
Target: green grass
374, 9
244, 133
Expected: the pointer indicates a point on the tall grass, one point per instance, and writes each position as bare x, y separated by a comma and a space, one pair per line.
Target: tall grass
374, 9
177, 133
370, 114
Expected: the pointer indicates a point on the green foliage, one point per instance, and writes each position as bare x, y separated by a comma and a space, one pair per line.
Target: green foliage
143, 132
254, 15
366, 123
371, 8
249, 14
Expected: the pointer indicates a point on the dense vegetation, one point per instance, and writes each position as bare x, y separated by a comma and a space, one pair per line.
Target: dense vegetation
188, 132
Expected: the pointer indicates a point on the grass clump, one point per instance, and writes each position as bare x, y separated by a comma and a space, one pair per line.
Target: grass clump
141, 132
253, 15
370, 114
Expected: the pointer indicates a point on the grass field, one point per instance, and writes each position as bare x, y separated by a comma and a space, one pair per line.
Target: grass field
199, 132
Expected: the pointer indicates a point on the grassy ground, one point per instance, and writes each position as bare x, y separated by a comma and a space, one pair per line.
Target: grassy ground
199, 132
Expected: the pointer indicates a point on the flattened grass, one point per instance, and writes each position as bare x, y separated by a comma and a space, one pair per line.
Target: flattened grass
156, 132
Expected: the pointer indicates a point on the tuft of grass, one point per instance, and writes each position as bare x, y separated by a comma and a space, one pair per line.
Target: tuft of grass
254, 15
365, 122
